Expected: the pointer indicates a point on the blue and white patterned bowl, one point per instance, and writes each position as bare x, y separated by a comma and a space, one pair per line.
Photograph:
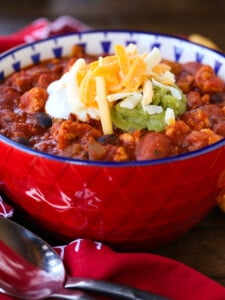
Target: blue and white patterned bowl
130, 205
97, 42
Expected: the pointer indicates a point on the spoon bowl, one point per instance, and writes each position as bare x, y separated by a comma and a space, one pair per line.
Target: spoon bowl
31, 269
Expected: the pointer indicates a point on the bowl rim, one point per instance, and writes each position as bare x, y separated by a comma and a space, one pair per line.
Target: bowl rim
106, 31
106, 164
81, 162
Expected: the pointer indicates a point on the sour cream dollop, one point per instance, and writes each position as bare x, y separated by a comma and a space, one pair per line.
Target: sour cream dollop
64, 97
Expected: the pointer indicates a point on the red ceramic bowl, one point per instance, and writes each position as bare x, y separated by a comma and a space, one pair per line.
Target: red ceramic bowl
135, 205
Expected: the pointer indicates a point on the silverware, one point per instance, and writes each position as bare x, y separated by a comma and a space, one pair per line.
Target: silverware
65, 294
31, 269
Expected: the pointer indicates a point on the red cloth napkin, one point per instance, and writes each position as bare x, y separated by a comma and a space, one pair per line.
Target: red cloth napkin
150, 272
41, 28
84, 258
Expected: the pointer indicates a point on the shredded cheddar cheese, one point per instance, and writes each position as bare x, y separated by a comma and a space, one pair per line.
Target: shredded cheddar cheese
136, 75
123, 59
131, 101
126, 76
73, 84
103, 105
169, 116
147, 92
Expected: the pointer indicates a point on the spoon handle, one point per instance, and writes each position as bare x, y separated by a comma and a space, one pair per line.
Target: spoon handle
68, 294
110, 289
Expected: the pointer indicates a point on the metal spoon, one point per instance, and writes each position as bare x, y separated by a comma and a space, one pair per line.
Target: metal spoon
31, 269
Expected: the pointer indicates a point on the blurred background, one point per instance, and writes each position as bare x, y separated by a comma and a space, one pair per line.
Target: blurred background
167, 16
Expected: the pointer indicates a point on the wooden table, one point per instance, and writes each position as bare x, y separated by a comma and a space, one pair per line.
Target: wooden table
203, 248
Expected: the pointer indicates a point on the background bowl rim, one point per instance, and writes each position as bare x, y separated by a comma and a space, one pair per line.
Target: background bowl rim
75, 161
